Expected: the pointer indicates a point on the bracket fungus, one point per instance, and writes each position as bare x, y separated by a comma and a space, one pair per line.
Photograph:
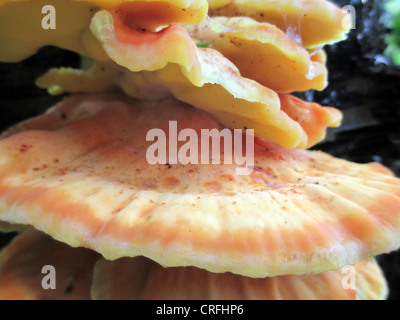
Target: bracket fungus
22, 262
77, 180
141, 278
263, 52
312, 23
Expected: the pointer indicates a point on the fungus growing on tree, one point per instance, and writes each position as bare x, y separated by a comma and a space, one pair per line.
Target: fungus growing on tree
80, 173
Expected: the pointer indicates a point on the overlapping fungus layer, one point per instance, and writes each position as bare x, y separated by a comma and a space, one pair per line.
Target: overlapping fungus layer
130, 230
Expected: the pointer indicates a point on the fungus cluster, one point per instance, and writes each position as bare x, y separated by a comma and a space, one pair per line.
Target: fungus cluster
78, 187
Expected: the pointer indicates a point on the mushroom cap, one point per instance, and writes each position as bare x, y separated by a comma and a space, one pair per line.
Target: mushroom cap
21, 35
312, 23
312, 117
237, 102
263, 52
81, 274
22, 273
81, 175
221, 80
142, 279
371, 282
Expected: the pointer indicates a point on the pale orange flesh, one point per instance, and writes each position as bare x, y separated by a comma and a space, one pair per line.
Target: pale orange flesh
89, 184
80, 274
313, 118
22, 273
263, 52
312, 23
142, 279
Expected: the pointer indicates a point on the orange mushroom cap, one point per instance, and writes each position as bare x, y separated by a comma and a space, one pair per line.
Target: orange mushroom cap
82, 274
263, 52
237, 102
312, 23
86, 181
313, 118
22, 33
142, 279
22, 273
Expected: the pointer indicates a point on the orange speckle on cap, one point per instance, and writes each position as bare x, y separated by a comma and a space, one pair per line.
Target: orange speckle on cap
171, 182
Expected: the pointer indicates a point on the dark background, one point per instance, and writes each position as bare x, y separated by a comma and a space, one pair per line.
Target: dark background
363, 84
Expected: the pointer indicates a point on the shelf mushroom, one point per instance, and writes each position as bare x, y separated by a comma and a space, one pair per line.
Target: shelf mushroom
141, 278
85, 181
81, 173
23, 269
82, 274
